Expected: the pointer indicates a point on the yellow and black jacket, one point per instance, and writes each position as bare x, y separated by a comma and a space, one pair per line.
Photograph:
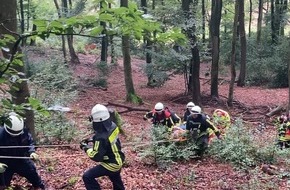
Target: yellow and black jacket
201, 124
284, 131
106, 147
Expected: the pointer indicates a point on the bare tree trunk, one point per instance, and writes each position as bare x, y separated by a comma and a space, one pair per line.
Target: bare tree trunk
104, 50
20, 92
250, 19
215, 37
148, 43
127, 63
73, 56
113, 52
62, 37
194, 83
283, 8
243, 41
260, 18
203, 13
233, 56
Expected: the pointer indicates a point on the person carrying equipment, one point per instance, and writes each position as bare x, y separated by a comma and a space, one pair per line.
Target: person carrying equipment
161, 115
106, 149
222, 120
13, 133
197, 126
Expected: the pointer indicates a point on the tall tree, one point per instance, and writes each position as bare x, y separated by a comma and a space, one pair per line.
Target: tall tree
130, 97
233, 56
73, 56
190, 30
62, 37
203, 13
259, 22
215, 38
104, 50
148, 42
250, 18
243, 42
8, 25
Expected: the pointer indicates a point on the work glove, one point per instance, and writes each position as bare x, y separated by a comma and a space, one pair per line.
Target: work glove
3, 168
84, 146
34, 156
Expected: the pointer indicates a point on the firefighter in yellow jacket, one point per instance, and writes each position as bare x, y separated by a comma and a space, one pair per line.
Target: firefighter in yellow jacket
284, 131
106, 149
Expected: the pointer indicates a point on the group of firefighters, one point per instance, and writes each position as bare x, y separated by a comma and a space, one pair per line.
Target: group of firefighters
104, 146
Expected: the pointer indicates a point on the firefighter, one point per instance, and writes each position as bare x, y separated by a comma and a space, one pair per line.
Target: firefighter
197, 126
284, 132
222, 120
187, 112
106, 149
161, 115
13, 133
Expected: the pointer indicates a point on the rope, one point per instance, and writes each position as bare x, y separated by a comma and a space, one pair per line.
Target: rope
69, 145
80, 155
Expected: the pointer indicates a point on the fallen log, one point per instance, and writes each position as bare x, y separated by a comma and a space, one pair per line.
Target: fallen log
129, 109
275, 111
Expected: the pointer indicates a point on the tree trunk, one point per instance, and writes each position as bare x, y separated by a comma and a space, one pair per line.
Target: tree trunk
8, 13
215, 37
283, 9
73, 56
112, 45
194, 83
104, 50
243, 41
203, 13
22, 20
259, 22
233, 56
148, 43
62, 37
127, 63
250, 19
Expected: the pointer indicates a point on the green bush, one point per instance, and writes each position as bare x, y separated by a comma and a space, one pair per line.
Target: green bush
267, 64
163, 151
56, 129
241, 149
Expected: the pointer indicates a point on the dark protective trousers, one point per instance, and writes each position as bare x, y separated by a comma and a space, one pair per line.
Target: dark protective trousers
91, 183
24, 168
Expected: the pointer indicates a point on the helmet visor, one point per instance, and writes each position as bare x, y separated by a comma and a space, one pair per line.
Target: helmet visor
12, 132
158, 111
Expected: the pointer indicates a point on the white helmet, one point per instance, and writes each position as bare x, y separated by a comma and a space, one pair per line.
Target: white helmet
190, 105
195, 110
159, 107
100, 113
16, 125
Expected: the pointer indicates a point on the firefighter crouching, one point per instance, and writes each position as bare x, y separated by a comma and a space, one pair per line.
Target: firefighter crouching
106, 149
161, 115
197, 126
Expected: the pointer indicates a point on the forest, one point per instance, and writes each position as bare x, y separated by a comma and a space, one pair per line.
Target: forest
60, 58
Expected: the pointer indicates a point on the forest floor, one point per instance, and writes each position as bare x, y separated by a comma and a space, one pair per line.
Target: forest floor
62, 168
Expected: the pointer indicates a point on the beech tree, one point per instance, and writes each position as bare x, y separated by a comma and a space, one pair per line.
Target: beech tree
20, 90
